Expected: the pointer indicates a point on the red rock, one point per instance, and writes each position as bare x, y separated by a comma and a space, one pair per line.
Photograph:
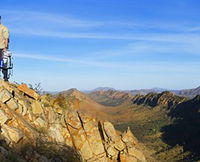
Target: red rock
24, 88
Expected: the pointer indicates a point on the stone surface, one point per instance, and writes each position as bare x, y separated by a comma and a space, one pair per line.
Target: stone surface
51, 116
36, 108
110, 131
55, 133
24, 88
12, 104
86, 151
127, 158
24, 105
128, 138
3, 117
40, 122
13, 134
5, 95
93, 137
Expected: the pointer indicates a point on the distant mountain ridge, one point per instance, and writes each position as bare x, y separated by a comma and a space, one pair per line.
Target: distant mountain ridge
146, 91
110, 97
191, 93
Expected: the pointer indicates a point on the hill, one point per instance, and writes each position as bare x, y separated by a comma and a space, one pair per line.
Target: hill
191, 93
146, 91
110, 97
167, 124
48, 129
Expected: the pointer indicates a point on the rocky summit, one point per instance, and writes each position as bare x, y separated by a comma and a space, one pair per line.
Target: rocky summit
34, 129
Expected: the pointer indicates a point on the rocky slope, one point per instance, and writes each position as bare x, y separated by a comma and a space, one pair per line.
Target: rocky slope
164, 99
98, 93
37, 128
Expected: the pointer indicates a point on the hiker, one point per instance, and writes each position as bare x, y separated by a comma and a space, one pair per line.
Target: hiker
4, 41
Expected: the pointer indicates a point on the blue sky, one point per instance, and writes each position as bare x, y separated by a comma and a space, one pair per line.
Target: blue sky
129, 44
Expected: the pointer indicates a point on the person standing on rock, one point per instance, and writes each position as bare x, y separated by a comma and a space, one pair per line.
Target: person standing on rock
4, 41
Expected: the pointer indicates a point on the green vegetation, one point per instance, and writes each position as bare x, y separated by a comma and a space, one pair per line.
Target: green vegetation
145, 127
105, 100
165, 136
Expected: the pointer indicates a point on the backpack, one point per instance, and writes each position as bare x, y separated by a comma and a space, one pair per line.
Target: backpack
6, 62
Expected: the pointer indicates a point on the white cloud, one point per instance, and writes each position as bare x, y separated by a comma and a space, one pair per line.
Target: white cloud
141, 66
32, 23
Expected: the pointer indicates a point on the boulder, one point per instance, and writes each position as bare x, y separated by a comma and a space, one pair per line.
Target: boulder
128, 138
12, 104
30, 92
5, 95
93, 135
25, 106
36, 108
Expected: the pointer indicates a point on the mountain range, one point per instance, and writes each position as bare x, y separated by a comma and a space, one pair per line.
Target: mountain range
168, 124
184, 92
165, 124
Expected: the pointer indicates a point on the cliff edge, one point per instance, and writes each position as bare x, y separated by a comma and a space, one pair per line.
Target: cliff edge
33, 129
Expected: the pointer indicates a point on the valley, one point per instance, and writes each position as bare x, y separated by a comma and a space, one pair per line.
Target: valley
158, 120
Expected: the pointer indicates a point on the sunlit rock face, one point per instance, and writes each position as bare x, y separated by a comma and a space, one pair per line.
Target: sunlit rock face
164, 99
34, 128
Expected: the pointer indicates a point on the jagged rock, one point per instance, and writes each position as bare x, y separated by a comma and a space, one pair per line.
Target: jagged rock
24, 88
36, 122
112, 136
111, 151
12, 104
78, 135
128, 138
130, 141
5, 95
3, 117
36, 108
93, 134
13, 134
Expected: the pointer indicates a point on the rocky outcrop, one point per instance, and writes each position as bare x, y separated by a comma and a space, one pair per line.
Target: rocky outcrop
164, 99
37, 131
